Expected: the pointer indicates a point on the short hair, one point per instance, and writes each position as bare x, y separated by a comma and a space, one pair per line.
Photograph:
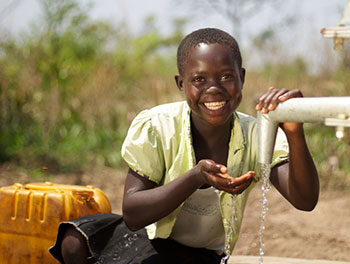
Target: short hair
208, 36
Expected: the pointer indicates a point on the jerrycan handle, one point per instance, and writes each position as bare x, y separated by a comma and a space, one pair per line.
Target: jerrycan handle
82, 196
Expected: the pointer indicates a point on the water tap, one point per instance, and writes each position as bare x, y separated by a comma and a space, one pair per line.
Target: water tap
340, 122
341, 31
332, 111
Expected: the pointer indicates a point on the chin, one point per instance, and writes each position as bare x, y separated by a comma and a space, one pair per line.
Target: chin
218, 123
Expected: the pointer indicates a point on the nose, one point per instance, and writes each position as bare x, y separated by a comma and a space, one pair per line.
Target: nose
214, 87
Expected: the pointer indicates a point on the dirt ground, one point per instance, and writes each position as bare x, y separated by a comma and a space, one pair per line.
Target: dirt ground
323, 233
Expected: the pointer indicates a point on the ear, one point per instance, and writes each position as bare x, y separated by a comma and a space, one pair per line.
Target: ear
242, 75
179, 81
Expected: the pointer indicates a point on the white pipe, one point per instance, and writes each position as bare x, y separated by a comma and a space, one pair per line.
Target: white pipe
346, 16
302, 110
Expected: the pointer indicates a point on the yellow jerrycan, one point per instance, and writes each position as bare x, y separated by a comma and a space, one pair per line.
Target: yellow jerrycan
30, 214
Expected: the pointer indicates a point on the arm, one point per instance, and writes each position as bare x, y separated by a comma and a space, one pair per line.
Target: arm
297, 180
144, 202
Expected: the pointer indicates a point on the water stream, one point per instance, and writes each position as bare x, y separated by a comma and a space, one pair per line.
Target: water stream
229, 234
264, 172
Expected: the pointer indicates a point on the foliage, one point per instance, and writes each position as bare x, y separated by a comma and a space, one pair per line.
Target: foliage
70, 88
65, 88
330, 155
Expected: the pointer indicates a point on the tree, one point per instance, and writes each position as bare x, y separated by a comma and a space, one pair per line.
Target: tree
237, 12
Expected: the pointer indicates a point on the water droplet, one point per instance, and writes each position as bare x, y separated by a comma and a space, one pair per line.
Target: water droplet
264, 171
230, 231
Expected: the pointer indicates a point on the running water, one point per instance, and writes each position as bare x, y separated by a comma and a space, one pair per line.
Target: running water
264, 172
230, 231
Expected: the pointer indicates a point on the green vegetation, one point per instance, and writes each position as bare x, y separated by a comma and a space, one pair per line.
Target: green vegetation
70, 87
69, 90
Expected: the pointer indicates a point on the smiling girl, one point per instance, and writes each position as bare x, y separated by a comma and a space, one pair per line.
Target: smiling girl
187, 158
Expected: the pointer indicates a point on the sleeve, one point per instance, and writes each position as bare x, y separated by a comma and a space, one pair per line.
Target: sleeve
281, 151
142, 148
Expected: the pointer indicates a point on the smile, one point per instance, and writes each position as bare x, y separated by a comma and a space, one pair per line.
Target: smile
215, 105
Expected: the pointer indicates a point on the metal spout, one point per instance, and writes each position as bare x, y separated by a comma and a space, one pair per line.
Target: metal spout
302, 110
340, 32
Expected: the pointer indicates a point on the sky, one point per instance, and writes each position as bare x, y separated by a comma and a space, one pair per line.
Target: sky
307, 16
16, 14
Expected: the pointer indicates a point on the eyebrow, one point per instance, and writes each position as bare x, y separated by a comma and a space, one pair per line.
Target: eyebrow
204, 72
199, 72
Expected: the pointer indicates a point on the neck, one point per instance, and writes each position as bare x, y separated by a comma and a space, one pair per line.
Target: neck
211, 135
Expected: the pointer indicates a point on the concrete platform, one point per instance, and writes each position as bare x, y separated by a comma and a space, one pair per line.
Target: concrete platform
278, 260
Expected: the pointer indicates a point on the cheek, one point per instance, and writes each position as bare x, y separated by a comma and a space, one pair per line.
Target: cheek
191, 102
239, 98
192, 95
234, 90
237, 95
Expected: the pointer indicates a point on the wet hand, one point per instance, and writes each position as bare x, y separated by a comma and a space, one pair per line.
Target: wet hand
215, 175
270, 100
237, 185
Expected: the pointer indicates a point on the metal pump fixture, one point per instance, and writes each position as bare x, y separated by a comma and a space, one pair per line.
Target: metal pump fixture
332, 111
341, 31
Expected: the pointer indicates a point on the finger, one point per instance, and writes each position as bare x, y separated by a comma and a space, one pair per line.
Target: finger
237, 189
219, 169
272, 100
267, 99
218, 181
223, 170
241, 188
224, 180
238, 180
243, 179
290, 94
275, 99
212, 167
261, 100
224, 175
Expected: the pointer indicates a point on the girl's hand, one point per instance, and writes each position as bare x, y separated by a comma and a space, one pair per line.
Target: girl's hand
238, 185
270, 100
215, 175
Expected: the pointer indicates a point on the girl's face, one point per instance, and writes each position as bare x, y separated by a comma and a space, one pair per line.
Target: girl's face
212, 83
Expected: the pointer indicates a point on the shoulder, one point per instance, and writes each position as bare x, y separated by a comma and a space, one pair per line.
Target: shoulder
167, 110
164, 114
246, 121
248, 126
165, 118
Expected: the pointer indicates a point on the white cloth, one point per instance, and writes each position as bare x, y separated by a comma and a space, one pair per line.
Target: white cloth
199, 223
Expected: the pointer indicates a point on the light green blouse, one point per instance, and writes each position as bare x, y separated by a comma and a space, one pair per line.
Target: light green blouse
159, 147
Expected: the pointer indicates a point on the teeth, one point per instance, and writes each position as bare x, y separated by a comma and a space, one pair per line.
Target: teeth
214, 105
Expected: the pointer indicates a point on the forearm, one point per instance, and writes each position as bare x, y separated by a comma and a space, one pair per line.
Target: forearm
303, 183
143, 207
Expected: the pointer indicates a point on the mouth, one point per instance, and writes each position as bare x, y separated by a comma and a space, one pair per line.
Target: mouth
213, 106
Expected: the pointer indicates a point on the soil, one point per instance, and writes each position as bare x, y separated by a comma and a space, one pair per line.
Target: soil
323, 233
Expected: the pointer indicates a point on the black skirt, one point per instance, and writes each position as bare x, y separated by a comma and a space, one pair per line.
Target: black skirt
110, 241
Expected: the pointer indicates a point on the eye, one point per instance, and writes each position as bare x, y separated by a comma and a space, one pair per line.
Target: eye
226, 77
198, 79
